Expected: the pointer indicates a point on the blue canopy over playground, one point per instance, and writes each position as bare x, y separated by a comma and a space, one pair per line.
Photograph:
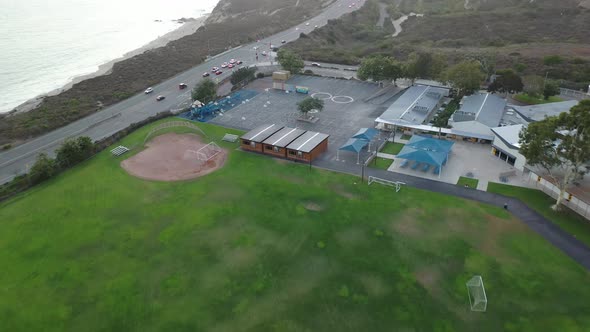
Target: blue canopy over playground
357, 142
425, 152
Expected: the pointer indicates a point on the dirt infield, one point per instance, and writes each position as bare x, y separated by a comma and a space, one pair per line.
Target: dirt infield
168, 158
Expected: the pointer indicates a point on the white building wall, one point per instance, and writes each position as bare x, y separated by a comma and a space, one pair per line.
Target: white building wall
575, 204
520, 159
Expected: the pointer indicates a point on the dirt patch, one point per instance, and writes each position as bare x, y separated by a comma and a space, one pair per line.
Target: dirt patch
311, 206
407, 224
172, 157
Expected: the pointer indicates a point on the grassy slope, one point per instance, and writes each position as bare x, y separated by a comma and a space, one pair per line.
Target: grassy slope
95, 249
541, 202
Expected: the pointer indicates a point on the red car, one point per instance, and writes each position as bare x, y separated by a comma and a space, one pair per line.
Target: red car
219, 72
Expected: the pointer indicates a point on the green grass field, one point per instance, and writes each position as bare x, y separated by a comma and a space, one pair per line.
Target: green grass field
392, 148
266, 245
568, 220
381, 163
527, 99
469, 182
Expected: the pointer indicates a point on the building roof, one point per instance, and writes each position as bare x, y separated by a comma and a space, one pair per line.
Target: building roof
284, 137
261, 133
533, 113
472, 129
414, 105
307, 142
484, 108
509, 135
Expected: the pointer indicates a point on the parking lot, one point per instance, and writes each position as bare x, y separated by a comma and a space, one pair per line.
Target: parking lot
345, 111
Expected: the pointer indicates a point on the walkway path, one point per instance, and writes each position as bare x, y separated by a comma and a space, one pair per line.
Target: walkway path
566, 242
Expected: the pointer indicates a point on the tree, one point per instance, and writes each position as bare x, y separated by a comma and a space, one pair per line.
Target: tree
380, 68
73, 151
551, 89
507, 82
242, 76
560, 145
205, 91
308, 104
487, 61
43, 169
533, 85
424, 65
465, 77
290, 61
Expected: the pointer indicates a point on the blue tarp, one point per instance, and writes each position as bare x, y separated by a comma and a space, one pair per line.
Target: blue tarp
354, 145
366, 133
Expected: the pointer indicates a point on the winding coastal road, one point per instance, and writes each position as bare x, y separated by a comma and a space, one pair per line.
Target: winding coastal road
141, 106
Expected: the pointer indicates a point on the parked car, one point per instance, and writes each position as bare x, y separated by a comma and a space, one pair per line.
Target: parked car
239, 62
182, 86
224, 65
264, 53
283, 41
230, 66
315, 64
149, 90
232, 61
214, 69
160, 98
205, 74
219, 72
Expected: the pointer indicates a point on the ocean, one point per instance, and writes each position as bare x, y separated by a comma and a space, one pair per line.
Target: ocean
45, 44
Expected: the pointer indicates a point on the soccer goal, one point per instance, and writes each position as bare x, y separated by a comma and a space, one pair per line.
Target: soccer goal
396, 184
208, 152
477, 294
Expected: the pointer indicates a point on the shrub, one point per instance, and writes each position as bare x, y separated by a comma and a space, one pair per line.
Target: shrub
43, 169
6, 147
260, 75
552, 60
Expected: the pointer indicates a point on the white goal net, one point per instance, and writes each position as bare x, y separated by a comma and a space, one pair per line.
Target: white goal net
477, 294
208, 152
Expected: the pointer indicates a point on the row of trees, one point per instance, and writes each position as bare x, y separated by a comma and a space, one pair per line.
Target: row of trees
70, 153
465, 76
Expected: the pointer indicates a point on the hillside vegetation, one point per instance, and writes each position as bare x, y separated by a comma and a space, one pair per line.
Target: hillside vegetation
232, 23
520, 34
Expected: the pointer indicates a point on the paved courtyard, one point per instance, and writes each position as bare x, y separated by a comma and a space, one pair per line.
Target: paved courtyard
345, 111
469, 159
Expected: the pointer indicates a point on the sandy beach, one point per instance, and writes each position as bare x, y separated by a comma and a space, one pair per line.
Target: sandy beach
189, 27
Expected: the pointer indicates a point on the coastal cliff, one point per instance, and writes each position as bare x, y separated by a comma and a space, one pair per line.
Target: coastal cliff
232, 22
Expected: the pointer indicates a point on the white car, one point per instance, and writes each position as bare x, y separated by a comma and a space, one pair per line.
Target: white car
264, 53
307, 23
315, 26
223, 65
315, 64
232, 61
149, 90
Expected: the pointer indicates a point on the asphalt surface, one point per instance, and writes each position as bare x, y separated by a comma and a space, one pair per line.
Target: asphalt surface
116, 117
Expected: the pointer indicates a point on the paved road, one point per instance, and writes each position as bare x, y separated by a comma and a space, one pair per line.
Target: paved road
116, 117
566, 242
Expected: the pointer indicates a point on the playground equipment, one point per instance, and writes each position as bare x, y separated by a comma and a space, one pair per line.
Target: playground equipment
205, 112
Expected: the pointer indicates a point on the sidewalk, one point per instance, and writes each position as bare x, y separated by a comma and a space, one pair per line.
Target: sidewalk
555, 235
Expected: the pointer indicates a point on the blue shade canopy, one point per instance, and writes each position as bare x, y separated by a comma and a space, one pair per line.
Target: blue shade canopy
430, 144
354, 145
366, 133
423, 156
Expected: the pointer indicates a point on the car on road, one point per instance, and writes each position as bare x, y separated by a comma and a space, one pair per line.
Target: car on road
206, 74
239, 62
219, 72
160, 98
214, 69
264, 53
283, 41
315, 64
315, 26
149, 90
307, 23
183, 86
230, 66
232, 61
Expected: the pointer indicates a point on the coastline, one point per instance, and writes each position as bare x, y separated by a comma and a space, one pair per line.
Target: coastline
185, 28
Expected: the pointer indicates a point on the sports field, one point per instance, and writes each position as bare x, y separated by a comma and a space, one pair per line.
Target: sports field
265, 245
